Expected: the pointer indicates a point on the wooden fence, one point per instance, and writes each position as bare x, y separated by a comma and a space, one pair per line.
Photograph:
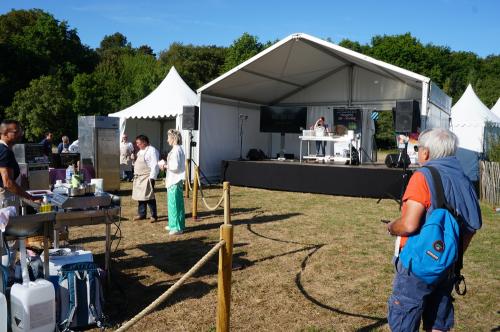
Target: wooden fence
490, 182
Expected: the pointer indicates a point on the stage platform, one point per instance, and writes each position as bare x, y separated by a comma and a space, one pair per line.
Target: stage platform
371, 180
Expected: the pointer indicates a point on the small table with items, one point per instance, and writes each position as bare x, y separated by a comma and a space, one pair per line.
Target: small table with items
88, 209
332, 139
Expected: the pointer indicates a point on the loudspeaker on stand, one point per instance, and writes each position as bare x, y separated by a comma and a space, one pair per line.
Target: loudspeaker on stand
406, 116
190, 116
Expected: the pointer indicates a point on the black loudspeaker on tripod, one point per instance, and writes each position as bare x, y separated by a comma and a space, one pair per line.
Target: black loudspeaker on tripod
190, 116
406, 116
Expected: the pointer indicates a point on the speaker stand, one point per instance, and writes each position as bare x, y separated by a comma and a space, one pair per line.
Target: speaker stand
403, 155
242, 119
282, 146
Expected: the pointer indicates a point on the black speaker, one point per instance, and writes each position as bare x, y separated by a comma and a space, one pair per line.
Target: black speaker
190, 117
391, 161
406, 116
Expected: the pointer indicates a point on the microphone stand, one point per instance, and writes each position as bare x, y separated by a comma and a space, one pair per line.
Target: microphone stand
242, 118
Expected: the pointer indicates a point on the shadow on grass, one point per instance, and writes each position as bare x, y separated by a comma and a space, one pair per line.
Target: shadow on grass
313, 248
220, 212
379, 321
249, 221
130, 292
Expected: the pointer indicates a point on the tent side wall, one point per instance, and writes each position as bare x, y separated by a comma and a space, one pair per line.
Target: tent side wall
220, 134
152, 129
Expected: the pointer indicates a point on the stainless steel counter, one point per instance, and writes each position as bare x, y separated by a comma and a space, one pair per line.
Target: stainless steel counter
42, 223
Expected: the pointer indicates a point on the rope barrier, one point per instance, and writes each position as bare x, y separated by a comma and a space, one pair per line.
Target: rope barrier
189, 185
204, 200
173, 288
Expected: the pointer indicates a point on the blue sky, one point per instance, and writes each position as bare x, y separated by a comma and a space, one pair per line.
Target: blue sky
463, 25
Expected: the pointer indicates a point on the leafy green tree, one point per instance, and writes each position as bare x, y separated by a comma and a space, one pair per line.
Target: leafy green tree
147, 50
34, 43
354, 45
114, 41
115, 84
488, 86
241, 50
197, 65
44, 106
384, 131
141, 73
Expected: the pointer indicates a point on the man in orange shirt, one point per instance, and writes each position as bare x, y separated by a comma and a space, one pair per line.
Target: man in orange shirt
412, 299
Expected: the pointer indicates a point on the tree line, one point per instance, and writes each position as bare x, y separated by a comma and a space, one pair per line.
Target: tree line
48, 77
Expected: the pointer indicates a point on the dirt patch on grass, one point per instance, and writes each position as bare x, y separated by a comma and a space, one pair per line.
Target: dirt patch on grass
302, 262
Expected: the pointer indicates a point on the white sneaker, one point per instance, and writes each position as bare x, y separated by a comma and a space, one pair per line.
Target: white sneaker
175, 232
166, 228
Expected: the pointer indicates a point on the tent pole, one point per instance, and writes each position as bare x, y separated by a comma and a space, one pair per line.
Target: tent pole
162, 129
350, 84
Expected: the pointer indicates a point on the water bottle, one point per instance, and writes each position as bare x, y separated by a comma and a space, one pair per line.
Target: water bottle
69, 173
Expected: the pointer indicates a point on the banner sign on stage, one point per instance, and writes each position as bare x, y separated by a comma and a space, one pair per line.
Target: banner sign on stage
350, 118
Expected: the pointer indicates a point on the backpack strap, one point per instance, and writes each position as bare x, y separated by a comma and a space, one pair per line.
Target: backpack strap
70, 276
438, 188
441, 203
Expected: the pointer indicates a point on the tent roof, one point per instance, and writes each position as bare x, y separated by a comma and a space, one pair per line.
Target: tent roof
167, 100
294, 64
469, 111
496, 108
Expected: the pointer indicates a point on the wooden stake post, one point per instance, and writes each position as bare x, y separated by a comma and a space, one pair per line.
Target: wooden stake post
224, 278
194, 213
187, 178
227, 204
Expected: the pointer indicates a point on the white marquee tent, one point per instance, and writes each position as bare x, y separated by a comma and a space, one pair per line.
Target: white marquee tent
468, 119
302, 70
159, 111
496, 108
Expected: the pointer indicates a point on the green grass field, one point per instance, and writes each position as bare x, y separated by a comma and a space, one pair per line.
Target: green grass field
302, 262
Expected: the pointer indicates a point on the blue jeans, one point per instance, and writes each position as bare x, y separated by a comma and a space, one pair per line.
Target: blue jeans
320, 145
413, 300
152, 207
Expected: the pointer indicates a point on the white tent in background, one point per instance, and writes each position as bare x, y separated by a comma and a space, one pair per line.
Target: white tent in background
468, 119
305, 71
496, 109
159, 111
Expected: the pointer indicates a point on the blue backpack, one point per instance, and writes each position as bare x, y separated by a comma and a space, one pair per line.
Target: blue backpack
431, 253
80, 296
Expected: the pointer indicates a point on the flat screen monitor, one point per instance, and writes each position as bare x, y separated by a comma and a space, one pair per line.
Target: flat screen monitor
279, 119
349, 118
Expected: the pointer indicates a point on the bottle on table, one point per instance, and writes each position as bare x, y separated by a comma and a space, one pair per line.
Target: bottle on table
69, 173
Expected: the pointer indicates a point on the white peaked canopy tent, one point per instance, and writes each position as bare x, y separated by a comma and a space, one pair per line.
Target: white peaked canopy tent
496, 108
159, 111
302, 70
468, 119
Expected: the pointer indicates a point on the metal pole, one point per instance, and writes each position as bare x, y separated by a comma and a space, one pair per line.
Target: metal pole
224, 278
188, 178
107, 252
46, 249
194, 213
241, 138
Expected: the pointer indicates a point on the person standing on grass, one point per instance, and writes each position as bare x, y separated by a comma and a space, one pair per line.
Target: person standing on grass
10, 133
175, 172
145, 173
412, 299
126, 157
